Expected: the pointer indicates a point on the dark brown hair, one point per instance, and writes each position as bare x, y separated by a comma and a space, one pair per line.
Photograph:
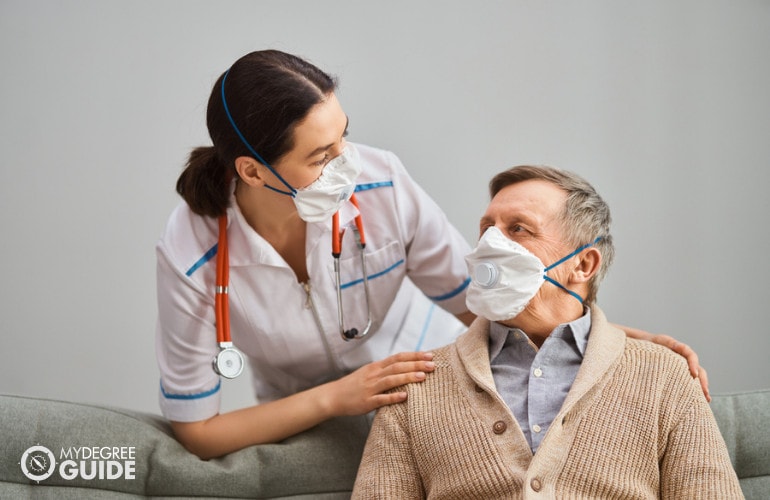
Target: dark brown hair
267, 93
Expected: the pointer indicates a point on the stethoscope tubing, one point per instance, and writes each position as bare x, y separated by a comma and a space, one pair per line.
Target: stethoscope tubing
337, 234
221, 294
222, 304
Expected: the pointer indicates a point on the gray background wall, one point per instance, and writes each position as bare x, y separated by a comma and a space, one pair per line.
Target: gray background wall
663, 105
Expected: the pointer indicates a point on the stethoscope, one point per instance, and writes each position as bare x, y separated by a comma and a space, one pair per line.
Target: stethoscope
229, 361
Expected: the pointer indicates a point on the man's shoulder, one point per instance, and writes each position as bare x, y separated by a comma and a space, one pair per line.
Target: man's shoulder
610, 337
448, 367
651, 349
443, 356
468, 345
655, 358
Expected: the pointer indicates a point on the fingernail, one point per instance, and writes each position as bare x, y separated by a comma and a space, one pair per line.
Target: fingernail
430, 365
420, 375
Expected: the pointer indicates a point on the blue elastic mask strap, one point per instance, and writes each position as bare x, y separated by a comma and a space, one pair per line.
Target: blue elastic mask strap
291, 191
549, 279
563, 259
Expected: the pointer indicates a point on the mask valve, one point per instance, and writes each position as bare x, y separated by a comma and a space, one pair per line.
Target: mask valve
486, 274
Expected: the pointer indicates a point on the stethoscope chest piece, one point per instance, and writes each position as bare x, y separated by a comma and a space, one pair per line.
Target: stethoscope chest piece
229, 362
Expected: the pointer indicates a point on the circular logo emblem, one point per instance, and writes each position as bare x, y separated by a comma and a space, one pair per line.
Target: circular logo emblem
38, 463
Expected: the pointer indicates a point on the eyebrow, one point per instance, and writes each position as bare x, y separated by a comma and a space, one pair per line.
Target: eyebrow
321, 149
517, 218
485, 220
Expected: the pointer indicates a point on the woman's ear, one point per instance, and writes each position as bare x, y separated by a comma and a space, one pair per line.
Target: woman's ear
588, 266
249, 171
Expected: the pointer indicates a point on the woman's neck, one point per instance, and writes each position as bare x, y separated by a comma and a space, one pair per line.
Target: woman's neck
267, 212
274, 217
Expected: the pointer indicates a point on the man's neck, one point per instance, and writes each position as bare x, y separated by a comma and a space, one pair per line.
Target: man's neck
539, 322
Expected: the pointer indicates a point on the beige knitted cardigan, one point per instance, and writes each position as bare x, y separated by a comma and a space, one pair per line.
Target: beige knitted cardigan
634, 425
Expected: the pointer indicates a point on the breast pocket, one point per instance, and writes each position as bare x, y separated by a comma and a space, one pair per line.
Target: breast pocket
385, 269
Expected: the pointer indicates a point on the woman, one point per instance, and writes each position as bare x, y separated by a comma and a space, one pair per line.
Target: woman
280, 167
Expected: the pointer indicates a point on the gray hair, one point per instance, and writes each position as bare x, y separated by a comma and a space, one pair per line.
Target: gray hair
586, 215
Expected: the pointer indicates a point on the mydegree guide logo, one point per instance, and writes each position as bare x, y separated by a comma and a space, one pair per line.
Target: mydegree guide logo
38, 463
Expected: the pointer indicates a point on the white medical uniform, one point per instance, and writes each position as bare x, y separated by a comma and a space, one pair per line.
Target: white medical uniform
287, 330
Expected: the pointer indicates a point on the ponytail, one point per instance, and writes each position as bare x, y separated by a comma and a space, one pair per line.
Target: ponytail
204, 183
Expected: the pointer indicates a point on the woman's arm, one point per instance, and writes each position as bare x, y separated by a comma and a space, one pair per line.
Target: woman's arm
680, 348
355, 394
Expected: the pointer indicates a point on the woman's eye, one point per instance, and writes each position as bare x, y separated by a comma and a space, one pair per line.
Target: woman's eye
323, 161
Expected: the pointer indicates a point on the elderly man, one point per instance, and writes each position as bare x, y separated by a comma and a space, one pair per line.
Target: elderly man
542, 397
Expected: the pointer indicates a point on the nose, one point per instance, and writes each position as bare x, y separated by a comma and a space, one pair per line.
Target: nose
338, 149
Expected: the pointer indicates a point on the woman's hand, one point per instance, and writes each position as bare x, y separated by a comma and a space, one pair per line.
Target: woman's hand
366, 389
356, 394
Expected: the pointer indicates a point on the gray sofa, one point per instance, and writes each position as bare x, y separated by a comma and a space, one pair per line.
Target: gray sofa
318, 464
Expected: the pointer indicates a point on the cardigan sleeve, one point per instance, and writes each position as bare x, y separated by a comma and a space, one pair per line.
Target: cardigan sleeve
696, 463
388, 467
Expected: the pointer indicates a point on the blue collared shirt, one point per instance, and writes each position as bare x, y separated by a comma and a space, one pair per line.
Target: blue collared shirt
534, 382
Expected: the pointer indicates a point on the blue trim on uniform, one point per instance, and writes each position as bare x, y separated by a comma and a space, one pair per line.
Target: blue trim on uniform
372, 276
425, 327
454, 292
206, 257
373, 185
199, 395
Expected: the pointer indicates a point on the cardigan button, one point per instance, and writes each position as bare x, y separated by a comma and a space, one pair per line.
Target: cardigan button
536, 485
499, 427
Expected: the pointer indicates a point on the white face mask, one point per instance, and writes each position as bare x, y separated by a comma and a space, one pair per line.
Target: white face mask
321, 199
504, 277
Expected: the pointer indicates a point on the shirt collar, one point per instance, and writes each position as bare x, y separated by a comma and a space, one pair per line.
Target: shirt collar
247, 247
579, 329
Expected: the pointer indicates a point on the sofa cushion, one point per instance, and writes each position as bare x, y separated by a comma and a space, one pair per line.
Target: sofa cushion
742, 419
320, 463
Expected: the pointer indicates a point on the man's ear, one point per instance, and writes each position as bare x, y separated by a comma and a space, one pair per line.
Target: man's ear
249, 171
589, 264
